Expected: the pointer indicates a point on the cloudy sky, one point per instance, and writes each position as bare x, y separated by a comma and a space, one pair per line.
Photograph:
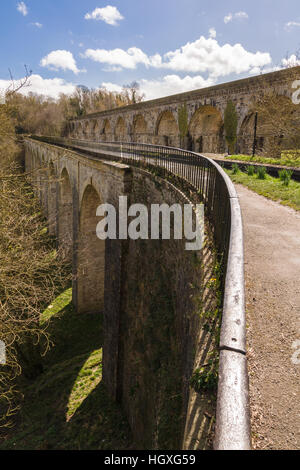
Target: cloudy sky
167, 46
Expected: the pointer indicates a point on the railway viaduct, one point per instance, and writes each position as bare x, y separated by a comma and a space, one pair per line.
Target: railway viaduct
192, 120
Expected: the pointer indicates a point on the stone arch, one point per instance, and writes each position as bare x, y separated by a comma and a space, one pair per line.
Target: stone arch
72, 128
167, 129
91, 256
35, 176
52, 202
120, 130
107, 131
206, 130
65, 220
43, 183
80, 131
95, 130
139, 129
86, 128
246, 134
270, 137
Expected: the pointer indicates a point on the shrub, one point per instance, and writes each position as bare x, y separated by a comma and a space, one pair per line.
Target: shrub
261, 172
285, 176
206, 378
235, 169
250, 170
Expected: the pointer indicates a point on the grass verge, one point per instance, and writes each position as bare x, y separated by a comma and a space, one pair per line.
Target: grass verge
286, 159
270, 187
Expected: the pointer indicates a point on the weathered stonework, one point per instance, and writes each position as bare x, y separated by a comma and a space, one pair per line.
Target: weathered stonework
158, 121
149, 291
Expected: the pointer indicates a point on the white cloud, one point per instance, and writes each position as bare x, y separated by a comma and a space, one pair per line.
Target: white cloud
22, 8
291, 61
228, 18
292, 24
38, 25
173, 84
212, 33
202, 55
47, 87
60, 59
240, 15
118, 57
109, 15
207, 55
112, 87
166, 86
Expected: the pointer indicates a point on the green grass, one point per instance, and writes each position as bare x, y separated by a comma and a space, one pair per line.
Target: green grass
62, 301
67, 406
272, 188
287, 159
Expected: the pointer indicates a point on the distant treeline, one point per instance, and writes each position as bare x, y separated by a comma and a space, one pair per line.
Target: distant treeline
37, 114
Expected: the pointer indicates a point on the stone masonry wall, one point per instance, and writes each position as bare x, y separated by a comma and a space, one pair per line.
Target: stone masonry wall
147, 290
204, 116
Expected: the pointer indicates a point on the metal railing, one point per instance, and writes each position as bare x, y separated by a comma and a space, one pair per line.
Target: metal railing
212, 186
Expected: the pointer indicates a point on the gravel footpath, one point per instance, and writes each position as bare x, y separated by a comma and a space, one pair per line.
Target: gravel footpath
272, 272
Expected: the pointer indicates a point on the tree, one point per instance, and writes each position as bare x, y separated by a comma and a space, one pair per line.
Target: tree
230, 126
132, 93
32, 271
36, 114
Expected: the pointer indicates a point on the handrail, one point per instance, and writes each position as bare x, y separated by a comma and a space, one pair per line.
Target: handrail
216, 190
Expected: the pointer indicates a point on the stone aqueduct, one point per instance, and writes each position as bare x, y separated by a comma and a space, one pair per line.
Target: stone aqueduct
192, 120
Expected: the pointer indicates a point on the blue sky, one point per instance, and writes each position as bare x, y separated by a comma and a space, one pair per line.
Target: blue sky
168, 46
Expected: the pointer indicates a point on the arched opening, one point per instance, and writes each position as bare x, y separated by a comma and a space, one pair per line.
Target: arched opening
120, 130
273, 135
139, 129
52, 200
266, 135
65, 222
91, 256
43, 184
86, 129
167, 130
206, 130
106, 133
95, 130
35, 174
80, 133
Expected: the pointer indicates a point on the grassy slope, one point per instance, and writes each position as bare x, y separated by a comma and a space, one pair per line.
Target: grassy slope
67, 406
271, 188
285, 160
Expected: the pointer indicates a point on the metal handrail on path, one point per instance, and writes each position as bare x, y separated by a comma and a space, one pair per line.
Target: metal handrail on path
215, 189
